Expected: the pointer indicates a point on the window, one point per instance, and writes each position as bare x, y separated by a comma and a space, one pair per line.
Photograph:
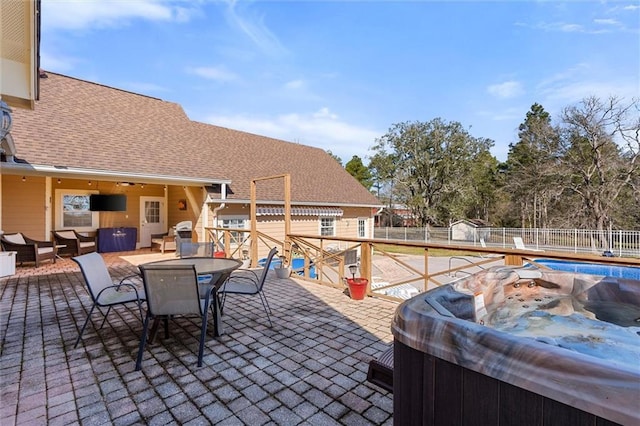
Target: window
152, 211
362, 228
73, 210
327, 226
235, 223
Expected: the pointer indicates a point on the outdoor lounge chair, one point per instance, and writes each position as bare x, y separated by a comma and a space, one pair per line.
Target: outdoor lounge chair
72, 243
380, 371
520, 245
163, 242
29, 250
249, 282
172, 290
104, 293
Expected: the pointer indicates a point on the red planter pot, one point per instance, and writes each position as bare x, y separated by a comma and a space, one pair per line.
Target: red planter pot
357, 287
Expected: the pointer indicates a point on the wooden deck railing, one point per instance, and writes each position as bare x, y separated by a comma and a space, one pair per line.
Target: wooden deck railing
326, 256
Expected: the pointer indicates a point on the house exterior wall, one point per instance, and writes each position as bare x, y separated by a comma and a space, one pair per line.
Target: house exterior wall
24, 206
24, 209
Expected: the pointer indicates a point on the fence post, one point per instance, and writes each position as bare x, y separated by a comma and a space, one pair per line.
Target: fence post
366, 249
620, 243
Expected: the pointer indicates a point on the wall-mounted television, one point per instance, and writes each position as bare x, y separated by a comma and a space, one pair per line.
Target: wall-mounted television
108, 202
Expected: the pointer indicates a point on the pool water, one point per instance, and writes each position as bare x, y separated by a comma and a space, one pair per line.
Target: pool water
628, 272
297, 265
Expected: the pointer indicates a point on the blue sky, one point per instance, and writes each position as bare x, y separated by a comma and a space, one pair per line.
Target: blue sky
338, 74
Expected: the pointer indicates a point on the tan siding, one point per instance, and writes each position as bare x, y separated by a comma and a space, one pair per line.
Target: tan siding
23, 206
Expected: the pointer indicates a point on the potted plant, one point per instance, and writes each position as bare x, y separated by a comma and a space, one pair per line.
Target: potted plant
283, 270
357, 286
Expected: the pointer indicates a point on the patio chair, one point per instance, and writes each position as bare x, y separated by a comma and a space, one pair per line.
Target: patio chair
164, 242
250, 283
190, 249
28, 249
72, 243
172, 290
519, 243
104, 293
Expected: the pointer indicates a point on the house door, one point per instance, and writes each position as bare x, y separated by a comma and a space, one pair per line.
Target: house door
152, 218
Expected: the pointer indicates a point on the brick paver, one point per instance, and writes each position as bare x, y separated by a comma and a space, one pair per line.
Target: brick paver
309, 368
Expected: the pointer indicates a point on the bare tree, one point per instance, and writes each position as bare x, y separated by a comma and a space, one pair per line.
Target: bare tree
600, 146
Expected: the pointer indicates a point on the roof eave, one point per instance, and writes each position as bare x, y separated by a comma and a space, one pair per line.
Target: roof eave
294, 203
107, 175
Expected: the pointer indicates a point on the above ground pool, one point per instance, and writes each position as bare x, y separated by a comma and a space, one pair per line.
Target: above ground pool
297, 266
629, 272
519, 346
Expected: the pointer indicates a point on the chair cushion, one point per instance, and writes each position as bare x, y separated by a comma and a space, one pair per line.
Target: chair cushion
87, 244
69, 235
15, 238
43, 250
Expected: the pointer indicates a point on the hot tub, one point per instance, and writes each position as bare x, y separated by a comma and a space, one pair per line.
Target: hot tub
519, 346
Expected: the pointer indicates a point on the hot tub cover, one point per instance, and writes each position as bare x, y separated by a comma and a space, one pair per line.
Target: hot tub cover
571, 337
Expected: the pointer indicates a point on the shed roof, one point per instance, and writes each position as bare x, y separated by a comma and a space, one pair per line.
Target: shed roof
89, 126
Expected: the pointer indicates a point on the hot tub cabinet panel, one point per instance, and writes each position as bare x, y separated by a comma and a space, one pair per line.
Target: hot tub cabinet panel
431, 391
552, 348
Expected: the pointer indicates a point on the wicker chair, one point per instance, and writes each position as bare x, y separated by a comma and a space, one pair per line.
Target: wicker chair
163, 242
74, 244
29, 250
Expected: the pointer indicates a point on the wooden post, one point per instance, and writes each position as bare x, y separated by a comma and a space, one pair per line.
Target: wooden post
366, 250
287, 217
513, 260
254, 226
426, 269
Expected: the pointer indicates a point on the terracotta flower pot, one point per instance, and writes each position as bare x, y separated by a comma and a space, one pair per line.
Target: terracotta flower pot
357, 287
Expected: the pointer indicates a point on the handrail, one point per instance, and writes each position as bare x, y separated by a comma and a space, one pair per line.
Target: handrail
330, 266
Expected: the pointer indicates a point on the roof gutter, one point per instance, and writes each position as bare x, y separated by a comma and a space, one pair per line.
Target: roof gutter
13, 168
301, 203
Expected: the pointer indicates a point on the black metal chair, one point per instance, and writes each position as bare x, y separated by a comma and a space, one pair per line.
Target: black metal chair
248, 282
103, 291
172, 290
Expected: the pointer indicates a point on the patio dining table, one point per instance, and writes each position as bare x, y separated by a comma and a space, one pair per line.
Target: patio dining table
218, 269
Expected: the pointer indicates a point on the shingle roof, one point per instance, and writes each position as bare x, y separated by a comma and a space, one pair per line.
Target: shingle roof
85, 125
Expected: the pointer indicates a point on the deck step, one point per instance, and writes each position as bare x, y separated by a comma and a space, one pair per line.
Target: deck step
381, 370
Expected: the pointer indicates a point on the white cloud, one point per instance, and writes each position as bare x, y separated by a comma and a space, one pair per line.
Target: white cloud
57, 63
607, 22
145, 88
506, 90
576, 83
77, 15
295, 84
507, 114
253, 27
322, 129
213, 73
